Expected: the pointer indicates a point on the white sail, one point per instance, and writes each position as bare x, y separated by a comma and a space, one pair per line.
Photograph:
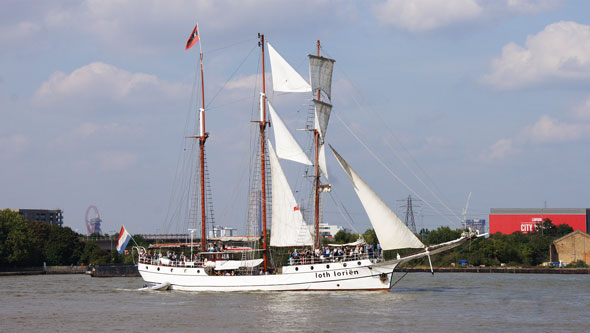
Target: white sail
320, 72
322, 161
288, 226
391, 231
322, 116
287, 147
284, 77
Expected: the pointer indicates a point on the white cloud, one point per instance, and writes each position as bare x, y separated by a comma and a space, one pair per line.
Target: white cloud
98, 83
424, 15
500, 150
243, 82
549, 130
13, 145
560, 52
112, 133
546, 130
427, 15
532, 6
18, 31
115, 160
582, 111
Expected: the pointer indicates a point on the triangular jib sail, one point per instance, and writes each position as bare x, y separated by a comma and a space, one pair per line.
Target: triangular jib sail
287, 147
284, 77
391, 231
288, 226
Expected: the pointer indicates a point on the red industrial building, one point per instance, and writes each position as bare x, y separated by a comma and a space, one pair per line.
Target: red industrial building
509, 220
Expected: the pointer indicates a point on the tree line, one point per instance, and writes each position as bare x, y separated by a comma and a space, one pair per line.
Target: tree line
516, 249
32, 243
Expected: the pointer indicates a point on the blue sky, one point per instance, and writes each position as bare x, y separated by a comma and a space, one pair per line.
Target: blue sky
488, 97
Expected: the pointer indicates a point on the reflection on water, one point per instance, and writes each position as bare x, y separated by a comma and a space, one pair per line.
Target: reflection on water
420, 302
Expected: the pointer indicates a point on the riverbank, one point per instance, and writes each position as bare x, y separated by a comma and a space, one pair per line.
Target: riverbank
520, 270
46, 270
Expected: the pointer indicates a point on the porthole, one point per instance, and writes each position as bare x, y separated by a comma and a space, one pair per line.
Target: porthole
158, 268
296, 268
185, 270
359, 263
344, 264
311, 267
146, 267
198, 271
171, 269
338, 285
328, 266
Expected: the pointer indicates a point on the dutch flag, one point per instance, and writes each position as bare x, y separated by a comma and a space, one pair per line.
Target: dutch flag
124, 238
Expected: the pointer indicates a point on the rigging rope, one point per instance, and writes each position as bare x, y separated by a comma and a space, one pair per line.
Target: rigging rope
384, 123
230, 77
376, 157
406, 273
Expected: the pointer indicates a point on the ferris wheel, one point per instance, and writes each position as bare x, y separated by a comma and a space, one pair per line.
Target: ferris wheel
93, 223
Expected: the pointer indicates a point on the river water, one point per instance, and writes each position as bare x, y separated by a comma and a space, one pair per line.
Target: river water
459, 302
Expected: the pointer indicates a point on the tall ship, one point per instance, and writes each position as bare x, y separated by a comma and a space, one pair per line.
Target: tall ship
311, 265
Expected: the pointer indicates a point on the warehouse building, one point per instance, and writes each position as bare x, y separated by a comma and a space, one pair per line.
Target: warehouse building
571, 248
509, 220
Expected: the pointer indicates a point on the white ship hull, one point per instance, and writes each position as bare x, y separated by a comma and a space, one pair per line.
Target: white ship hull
350, 275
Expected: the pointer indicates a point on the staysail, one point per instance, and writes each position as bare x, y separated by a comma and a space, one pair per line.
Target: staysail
391, 231
287, 147
284, 77
288, 226
320, 72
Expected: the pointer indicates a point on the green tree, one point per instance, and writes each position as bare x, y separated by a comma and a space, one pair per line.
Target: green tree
563, 229
343, 237
64, 247
371, 237
441, 235
17, 244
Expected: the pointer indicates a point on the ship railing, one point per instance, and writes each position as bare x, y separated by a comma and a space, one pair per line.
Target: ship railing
169, 263
307, 260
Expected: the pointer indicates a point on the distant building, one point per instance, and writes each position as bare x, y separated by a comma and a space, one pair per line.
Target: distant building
571, 248
329, 230
42, 215
220, 231
509, 220
476, 224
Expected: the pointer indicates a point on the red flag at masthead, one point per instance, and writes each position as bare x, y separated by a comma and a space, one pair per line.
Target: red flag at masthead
193, 38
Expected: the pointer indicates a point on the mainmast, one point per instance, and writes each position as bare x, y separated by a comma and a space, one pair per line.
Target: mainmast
263, 124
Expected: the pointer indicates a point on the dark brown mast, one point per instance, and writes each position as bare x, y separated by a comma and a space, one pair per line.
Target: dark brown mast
263, 124
202, 138
316, 136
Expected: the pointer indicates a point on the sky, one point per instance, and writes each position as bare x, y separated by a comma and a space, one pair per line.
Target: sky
432, 98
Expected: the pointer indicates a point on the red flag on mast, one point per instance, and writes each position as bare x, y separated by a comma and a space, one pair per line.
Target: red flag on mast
193, 38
